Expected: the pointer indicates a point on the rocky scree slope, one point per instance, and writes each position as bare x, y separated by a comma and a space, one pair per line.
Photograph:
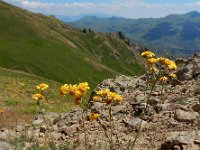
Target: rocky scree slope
168, 124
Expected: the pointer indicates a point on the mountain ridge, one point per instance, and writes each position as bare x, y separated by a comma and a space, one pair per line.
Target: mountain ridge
177, 33
44, 46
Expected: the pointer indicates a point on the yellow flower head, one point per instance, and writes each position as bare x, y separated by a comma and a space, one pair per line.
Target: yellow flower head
107, 97
103, 93
152, 60
153, 69
172, 66
172, 75
64, 89
37, 96
72, 89
112, 94
94, 116
96, 98
161, 59
118, 98
78, 93
162, 79
148, 54
168, 63
1, 111
42, 86
83, 87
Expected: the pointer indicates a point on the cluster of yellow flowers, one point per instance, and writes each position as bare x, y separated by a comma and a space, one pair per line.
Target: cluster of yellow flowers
168, 63
76, 91
163, 61
107, 97
39, 96
155, 65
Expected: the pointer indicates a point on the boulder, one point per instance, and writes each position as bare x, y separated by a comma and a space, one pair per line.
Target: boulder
180, 140
181, 115
5, 146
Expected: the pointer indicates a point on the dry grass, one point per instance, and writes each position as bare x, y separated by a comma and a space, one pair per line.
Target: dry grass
16, 97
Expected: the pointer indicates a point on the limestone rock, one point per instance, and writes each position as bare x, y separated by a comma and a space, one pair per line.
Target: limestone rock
135, 122
181, 115
179, 140
5, 146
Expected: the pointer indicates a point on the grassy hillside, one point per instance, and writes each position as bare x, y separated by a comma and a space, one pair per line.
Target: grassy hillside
49, 48
176, 34
16, 93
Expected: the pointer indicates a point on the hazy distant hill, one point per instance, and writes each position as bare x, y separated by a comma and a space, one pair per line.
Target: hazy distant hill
78, 17
49, 48
179, 34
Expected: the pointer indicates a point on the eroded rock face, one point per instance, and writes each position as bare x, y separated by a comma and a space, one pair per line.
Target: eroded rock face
173, 118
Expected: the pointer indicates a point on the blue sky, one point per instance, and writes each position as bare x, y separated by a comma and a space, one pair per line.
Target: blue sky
122, 8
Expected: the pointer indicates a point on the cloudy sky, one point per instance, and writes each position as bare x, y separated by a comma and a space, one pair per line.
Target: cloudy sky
123, 8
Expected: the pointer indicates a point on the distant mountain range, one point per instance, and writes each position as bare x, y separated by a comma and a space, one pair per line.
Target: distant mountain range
78, 17
47, 47
174, 34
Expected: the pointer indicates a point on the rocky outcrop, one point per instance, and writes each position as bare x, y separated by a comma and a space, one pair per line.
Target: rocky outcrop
189, 68
182, 140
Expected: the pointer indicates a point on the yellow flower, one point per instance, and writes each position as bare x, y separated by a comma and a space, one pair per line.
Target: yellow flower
168, 63
94, 116
1, 111
162, 79
77, 93
83, 87
152, 60
64, 89
37, 96
153, 69
148, 54
108, 100
161, 59
172, 66
42, 86
107, 97
103, 93
172, 75
112, 94
118, 98
72, 89
96, 98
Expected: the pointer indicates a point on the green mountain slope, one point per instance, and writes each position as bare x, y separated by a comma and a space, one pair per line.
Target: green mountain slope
176, 34
49, 48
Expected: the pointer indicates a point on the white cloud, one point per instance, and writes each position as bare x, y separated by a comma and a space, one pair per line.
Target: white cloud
125, 8
196, 4
14, 0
